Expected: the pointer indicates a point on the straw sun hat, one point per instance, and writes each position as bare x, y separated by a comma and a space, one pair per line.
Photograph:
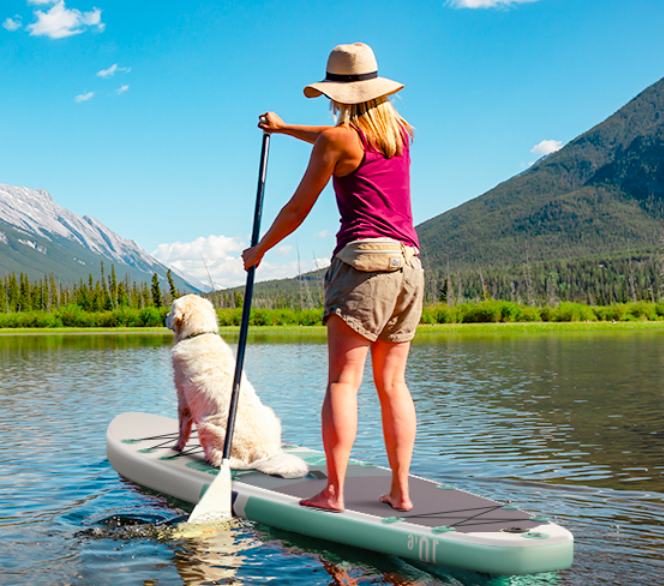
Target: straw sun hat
352, 77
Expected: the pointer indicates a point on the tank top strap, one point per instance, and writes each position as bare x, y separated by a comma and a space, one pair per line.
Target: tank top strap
404, 134
362, 137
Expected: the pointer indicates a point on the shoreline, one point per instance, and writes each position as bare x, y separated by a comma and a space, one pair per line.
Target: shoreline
423, 329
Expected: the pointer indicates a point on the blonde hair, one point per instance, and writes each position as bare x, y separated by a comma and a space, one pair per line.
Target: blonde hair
379, 121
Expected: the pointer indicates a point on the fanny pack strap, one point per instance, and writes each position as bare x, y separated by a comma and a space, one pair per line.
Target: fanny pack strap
377, 254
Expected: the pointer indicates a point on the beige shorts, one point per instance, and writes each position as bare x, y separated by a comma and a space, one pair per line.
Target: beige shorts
384, 306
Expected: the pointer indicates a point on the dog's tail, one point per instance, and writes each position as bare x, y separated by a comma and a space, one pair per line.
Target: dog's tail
282, 464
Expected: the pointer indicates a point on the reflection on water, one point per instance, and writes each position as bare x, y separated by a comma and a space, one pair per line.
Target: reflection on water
581, 408
567, 425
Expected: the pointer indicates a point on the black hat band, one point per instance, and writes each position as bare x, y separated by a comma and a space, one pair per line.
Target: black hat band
358, 77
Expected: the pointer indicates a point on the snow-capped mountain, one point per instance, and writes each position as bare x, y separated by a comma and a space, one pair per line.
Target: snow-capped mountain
46, 226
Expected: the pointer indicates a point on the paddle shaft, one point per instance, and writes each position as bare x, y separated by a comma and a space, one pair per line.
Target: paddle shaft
246, 306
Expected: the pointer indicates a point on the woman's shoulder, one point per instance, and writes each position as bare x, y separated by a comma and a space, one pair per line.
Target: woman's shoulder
341, 137
338, 133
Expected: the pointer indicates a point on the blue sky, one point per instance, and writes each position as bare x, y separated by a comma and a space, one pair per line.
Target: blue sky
143, 114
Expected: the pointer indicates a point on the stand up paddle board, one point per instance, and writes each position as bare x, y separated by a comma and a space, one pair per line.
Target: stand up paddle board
447, 527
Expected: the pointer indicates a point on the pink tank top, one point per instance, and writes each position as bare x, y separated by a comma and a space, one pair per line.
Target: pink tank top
374, 200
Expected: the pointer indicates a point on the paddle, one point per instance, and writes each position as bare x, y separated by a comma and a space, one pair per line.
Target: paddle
216, 501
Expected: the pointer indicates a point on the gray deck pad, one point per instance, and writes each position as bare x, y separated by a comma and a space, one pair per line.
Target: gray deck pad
433, 506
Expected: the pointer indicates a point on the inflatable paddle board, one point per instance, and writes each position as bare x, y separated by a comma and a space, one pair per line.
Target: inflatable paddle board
447, 527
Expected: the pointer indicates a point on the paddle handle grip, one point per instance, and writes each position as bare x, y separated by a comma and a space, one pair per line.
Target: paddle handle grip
246, 306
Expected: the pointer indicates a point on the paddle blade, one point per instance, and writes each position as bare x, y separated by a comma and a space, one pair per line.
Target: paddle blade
217, 500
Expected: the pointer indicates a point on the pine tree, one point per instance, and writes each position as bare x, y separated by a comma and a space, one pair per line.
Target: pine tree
44, 294
113, 288
146, 300
88, 294
14, 294
171, 285
53, 297
100, 298
136, 296
238, 299
123, 296
4, 300
103, 300
25, 296
155, 291
128, 290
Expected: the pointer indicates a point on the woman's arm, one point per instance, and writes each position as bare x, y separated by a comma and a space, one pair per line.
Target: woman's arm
328, 148
275, 125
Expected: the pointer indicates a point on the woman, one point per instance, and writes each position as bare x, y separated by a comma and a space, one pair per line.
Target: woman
367, 155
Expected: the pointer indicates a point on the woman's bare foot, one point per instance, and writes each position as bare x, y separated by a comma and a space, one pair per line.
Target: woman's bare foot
399, 503
325, 499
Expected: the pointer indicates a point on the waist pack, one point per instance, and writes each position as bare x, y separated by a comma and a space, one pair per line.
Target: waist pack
377, 254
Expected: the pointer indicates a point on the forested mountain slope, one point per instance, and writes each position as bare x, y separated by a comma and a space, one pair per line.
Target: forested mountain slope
602, 192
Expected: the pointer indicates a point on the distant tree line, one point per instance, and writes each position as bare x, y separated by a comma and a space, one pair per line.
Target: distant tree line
607, 281
18, 294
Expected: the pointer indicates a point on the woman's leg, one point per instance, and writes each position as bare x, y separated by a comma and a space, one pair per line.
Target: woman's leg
347, 356
398, 413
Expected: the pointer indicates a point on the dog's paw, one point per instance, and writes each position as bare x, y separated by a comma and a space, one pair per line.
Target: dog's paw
214, 459
284, 465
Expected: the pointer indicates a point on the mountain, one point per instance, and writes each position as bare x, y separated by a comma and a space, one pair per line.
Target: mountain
603, 192
39, 237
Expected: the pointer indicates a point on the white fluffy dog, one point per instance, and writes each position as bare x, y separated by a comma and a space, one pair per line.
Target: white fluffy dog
203, 369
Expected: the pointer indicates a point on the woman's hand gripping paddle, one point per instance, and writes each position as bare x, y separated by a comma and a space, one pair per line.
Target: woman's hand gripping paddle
216, 501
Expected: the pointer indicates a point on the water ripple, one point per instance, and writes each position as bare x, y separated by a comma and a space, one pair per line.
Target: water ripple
565, 426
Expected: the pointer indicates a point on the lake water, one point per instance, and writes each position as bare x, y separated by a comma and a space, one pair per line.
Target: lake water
567, 425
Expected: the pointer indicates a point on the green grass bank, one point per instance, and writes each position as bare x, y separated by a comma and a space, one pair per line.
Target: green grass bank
490, 315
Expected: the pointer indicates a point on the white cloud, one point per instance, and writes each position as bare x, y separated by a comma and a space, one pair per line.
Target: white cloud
41, 1
84, 97
60, 21
92, 18
12, 24
547, 147
485, 3
110, 72
213, 247
220, 255
122, 89
323, 234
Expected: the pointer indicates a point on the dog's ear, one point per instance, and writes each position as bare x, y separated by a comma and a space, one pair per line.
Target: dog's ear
177, 317
177, 320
